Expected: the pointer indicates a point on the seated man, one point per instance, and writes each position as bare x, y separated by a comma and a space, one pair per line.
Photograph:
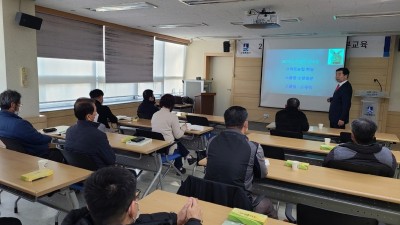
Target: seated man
110, 197
364, 150
14, 127
234, 160
148, 107
291, 118
85, 137
105, 114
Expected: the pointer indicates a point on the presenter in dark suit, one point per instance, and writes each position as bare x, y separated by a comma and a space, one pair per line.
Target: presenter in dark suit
341, 100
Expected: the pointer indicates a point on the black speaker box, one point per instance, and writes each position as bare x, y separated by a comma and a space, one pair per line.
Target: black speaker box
27, 20
227, 45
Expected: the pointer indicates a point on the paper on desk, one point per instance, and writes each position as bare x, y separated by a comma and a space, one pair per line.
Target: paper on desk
122, 117
196, 127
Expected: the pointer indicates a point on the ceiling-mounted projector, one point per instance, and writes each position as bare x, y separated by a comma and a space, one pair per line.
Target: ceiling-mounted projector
261, 19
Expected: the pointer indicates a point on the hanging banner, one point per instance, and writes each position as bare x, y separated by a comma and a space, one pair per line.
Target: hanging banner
367, 46
249, 48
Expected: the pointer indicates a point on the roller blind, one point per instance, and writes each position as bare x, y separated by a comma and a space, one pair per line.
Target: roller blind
128, 56
69, 39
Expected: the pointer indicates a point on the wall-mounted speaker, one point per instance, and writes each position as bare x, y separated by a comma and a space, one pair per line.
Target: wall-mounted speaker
227, 46
27, 20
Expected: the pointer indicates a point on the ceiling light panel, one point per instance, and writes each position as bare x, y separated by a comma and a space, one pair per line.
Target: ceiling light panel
180, 25
366, 15
129, 6
205, 2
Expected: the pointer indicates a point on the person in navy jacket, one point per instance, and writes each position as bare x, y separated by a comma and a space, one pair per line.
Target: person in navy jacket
85, 137
341, 100
14, 127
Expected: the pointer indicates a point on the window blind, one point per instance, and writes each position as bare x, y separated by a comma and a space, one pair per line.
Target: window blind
69, 39
128, 56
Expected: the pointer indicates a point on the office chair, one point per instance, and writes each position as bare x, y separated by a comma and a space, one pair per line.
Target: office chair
308, 215
284, 133
167, 160
345, 137
13, 144
373, 168
215, 192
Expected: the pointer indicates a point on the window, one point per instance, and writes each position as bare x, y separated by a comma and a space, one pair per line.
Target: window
62, 81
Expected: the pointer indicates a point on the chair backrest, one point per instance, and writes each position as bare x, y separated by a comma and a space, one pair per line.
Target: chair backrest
178, 99
10, 221
215, 192
273, 152
345, 137
149, 134
373, 168
307, 215
198, 120
13, 144
78, 159
284, 133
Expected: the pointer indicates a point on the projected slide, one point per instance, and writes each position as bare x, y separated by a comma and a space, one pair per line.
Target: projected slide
301, 68
302, 71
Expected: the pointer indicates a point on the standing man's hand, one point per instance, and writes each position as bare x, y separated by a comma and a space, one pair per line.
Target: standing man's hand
329, 99
340, 123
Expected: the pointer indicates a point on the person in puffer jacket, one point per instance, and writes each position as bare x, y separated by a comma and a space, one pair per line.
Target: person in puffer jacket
111, 200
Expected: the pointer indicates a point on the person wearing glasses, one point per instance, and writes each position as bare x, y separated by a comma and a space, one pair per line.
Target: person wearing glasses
15, 128
110, 194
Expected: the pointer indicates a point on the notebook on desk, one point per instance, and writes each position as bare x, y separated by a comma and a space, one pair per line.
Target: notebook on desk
140, 143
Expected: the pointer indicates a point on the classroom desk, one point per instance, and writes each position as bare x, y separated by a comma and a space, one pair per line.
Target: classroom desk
332, 189
141, 157
211, 118
13, 164
326, 131
145, 123
213, 214
301, 145
184, 106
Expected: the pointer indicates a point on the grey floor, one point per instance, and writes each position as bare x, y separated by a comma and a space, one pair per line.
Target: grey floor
31, 213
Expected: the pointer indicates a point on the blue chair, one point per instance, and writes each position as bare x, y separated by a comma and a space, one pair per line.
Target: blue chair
167, 160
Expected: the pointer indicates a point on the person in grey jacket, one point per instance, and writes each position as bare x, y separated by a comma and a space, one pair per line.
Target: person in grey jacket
363, 150
110, 194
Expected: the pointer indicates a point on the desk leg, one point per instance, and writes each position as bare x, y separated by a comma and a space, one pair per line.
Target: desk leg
158, 163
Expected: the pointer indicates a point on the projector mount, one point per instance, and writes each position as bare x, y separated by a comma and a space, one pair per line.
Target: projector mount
262, 12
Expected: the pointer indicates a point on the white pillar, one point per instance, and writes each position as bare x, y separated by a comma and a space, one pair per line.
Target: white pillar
18, 50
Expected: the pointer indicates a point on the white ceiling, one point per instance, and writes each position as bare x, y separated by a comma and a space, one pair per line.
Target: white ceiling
316, 16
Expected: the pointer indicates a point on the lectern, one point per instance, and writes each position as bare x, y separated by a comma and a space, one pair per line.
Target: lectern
370, 103
204, 103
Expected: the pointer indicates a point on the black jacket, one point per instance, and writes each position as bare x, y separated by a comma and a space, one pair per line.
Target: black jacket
147, 109
105, 114
341, 103
82, 217
84, 137
291, 119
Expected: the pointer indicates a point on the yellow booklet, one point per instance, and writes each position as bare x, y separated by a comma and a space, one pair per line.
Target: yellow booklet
37, 174
247, 217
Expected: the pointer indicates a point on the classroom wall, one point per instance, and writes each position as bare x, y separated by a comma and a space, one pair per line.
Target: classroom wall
195, 65
18, 49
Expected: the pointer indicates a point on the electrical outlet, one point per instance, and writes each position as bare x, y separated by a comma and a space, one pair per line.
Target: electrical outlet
266, 115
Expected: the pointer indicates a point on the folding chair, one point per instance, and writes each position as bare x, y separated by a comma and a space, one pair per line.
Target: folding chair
167, 160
